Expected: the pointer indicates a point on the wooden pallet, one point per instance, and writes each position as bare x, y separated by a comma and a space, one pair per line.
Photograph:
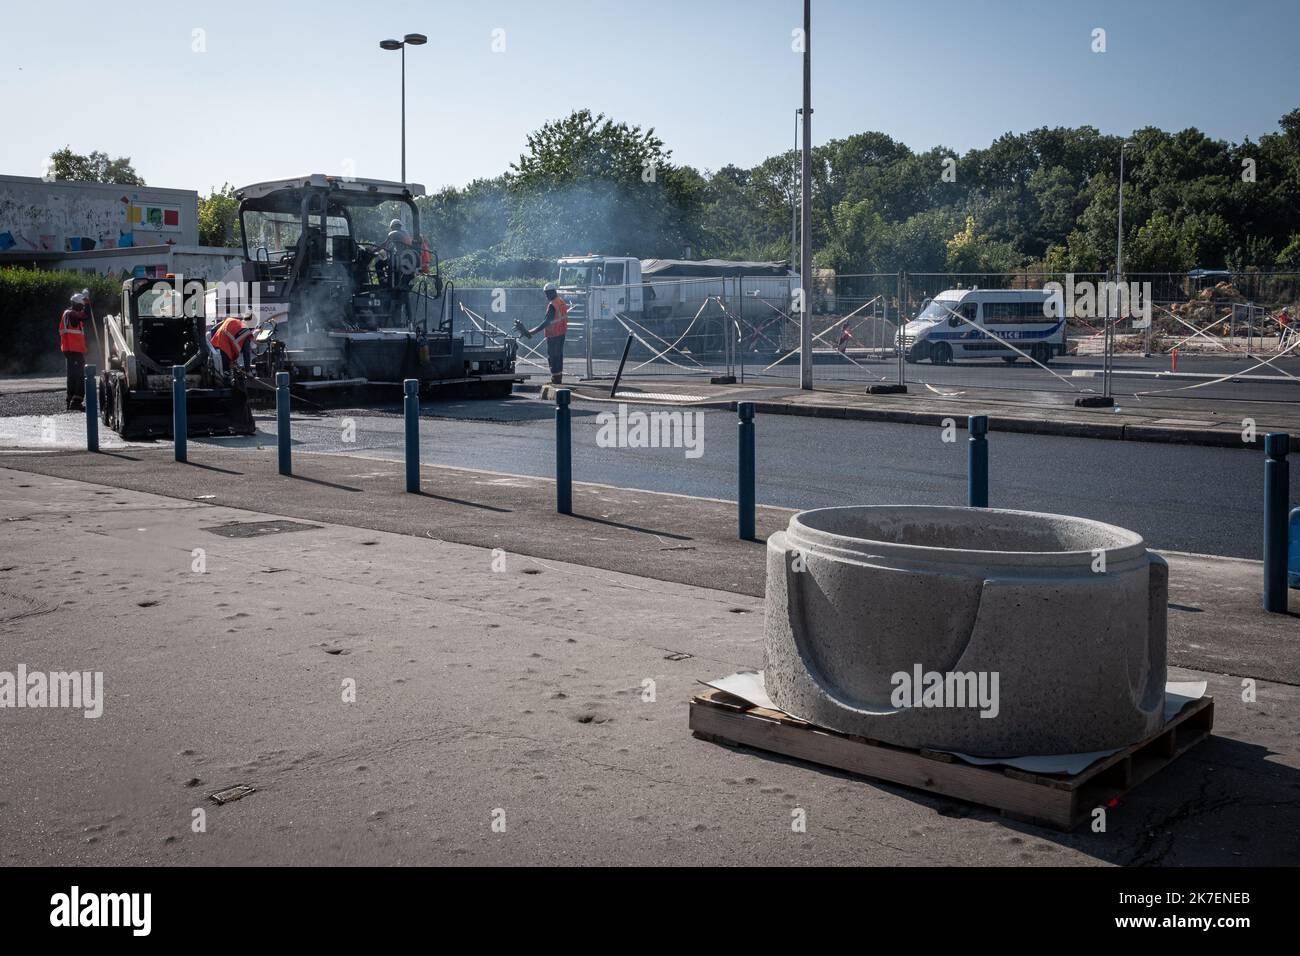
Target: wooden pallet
1059, 801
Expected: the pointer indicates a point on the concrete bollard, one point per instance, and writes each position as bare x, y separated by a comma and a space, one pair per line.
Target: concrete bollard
282, 421
977, 461
745, 491
411, 405
92, 408
563, 454
1277, 487
180, 414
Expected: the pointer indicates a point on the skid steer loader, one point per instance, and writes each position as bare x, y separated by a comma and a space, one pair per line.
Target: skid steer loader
161, 326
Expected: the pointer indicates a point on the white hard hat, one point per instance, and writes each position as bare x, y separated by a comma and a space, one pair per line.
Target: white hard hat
79, 298
549, 287
395, 224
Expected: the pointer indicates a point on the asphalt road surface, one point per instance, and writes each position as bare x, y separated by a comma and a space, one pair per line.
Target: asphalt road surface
1186, 498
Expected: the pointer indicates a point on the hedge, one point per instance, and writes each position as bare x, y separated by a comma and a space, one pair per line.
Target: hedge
31, 301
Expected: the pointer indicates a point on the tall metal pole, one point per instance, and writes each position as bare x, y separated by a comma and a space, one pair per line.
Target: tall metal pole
805, 252
1119, 239
1107, 348
404, 114
414, 39
794, 198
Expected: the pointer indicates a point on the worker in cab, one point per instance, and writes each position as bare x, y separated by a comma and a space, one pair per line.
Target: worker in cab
390, 251
72, 343
555, 325
397, 235
231, 338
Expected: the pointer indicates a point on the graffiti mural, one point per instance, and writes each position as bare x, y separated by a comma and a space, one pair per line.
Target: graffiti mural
44, 216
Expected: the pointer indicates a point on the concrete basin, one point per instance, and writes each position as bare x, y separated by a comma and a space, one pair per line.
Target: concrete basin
985, 631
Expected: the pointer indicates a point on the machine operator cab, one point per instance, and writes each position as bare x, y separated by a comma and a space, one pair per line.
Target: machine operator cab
342, 253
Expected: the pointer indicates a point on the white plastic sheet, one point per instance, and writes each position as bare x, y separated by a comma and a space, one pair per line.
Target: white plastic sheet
748, 686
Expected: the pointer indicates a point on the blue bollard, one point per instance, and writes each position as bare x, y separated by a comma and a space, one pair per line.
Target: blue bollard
1277, 488
180, 414
92, 408
977, 461
563, 454
1293, 572
411, 406
745, 493
282, 421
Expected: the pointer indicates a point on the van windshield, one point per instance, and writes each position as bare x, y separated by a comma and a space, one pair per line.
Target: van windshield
939, 309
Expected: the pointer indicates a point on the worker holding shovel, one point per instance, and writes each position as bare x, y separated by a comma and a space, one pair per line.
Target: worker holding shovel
555, 325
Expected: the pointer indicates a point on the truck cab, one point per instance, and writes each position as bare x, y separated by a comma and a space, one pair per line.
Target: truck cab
601, 286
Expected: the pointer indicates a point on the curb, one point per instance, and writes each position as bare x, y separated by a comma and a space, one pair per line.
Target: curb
1118, 431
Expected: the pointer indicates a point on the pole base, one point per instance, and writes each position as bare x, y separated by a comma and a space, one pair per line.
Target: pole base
723, 380
883, 389
1095, 401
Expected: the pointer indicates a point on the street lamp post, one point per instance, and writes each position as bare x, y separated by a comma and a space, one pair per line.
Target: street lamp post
794, 196
805, 218
1108, 341
413, 39
1119, 238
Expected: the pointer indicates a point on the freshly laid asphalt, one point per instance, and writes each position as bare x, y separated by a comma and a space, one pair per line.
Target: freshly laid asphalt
1186, 498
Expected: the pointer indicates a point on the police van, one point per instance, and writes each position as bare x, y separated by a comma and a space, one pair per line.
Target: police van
979, 323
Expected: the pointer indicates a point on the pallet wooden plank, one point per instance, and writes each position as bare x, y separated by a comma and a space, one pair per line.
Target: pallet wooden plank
885, 763
1058, 800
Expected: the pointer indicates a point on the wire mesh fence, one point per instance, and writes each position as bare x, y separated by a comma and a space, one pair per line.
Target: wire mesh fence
1210, 335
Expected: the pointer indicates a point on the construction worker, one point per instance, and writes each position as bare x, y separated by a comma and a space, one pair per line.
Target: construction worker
230, 338
72, 343
555, 325
397, 234
1283, 320
395, 244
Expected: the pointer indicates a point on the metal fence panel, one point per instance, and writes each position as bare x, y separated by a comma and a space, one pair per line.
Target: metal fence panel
1211, 336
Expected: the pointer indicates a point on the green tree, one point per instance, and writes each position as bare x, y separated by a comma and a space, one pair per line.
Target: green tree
587, 183
95, 168
970, 252
1289, 258
219, 218
459, 222
1155, 247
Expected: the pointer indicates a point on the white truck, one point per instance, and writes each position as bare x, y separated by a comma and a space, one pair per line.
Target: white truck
665, 295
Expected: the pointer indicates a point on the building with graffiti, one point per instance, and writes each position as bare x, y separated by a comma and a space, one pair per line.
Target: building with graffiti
105, 228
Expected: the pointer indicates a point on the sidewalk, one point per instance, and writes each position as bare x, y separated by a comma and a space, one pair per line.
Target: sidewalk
1153, 419
515, 692
1216, 621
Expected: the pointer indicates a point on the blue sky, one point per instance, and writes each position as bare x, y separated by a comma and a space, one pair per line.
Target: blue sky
290, 87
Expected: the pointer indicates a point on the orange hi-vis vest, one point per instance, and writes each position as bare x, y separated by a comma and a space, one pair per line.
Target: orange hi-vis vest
72, 332
229, 338
560, 324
